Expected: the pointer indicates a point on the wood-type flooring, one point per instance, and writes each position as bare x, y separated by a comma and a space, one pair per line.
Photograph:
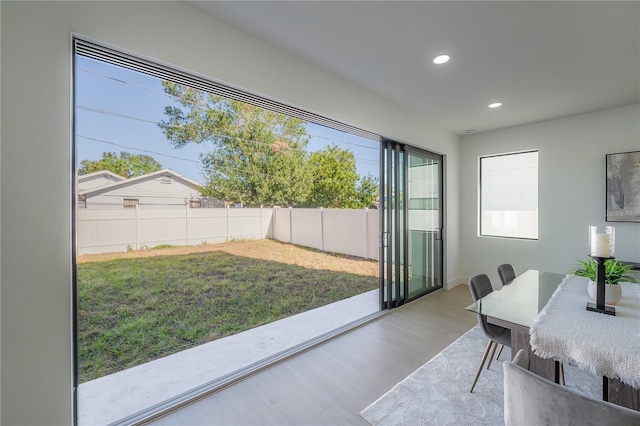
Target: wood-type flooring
332, 382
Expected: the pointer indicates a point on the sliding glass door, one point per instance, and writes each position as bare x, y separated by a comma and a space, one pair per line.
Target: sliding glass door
424, 224
410, 223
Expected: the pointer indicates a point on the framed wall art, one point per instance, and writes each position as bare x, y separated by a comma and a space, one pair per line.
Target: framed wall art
623, 187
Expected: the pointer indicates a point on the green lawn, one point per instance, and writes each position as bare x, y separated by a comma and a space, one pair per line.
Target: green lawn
134, 310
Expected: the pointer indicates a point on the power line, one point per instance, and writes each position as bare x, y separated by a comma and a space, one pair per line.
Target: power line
127, 82
131, 117
345, 142
358, 160
266, 175
115, 114
217, 109
137, 149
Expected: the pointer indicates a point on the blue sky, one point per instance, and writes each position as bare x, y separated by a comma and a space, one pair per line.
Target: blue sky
117, 110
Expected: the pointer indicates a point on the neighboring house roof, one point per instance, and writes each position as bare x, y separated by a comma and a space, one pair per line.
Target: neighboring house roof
88, 176
125, 182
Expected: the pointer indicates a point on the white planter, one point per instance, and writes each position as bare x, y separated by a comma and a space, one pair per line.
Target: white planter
612, 293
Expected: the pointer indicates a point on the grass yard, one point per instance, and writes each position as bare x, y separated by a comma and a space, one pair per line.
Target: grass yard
138, 306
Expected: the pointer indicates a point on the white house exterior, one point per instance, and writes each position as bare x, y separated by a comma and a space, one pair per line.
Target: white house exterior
97, 179
161, 188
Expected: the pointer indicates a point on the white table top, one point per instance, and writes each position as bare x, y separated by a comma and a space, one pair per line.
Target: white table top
605, 344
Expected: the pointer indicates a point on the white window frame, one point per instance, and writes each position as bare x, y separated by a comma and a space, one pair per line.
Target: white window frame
516, 217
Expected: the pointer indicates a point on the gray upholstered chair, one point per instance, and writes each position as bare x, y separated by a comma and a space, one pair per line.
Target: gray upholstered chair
533, 400
506, 273
480, 286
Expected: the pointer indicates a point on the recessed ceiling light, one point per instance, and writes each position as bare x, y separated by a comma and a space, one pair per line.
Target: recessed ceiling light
441, 59
469, 131
495, 105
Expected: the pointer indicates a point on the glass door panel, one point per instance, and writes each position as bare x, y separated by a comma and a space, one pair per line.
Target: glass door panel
410, 223
392, 251
424, 226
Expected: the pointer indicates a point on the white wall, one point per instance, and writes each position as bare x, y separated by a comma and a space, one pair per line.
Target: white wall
571, 190
36, 143
151, 192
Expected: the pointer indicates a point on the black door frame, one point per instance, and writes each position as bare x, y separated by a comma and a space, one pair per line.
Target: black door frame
394, 212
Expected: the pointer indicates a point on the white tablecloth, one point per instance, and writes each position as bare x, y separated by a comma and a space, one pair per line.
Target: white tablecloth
605, 344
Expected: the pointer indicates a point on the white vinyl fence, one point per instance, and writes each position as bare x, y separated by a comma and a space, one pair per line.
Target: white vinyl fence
353, 232
113, 230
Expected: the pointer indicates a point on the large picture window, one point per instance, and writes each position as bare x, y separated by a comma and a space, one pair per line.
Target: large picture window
205, 219
509, 195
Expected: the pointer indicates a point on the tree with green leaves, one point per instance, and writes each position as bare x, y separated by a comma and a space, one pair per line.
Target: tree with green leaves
368, 191
124, 164
336, 182
257, 157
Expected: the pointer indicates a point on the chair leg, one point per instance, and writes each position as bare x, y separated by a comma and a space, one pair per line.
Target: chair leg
500, 352
493, 352
562, 373
484, 358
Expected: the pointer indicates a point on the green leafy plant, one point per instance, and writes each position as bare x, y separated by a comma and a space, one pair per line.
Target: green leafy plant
614, 271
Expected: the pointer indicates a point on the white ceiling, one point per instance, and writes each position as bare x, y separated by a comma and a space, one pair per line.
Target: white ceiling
540, 59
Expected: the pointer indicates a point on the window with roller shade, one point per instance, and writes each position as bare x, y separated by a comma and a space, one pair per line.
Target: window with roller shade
509, 195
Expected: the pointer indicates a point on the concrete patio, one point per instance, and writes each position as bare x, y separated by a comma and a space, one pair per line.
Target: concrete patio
122, 394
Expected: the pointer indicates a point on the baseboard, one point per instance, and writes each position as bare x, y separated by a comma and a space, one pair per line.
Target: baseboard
455, 282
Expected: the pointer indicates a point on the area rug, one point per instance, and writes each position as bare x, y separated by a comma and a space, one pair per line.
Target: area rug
438, 392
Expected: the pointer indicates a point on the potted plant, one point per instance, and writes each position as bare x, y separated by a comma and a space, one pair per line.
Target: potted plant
614, 273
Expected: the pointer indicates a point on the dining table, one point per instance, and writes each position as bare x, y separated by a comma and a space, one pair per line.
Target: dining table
546, 313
